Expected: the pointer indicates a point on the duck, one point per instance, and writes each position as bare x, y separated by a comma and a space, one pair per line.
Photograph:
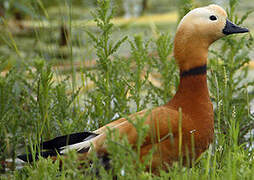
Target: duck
186, 121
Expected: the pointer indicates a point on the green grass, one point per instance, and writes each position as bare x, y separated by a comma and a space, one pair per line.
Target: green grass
38, 102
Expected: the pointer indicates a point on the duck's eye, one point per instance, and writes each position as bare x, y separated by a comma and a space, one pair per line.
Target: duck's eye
213, 18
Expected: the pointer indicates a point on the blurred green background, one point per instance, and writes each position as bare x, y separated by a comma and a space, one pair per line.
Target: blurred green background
38, 102
29, 29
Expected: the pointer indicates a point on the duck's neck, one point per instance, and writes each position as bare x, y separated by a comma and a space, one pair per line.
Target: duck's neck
192, 88
190, 52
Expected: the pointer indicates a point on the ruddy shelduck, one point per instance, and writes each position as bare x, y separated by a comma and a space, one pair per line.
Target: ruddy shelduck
191, 104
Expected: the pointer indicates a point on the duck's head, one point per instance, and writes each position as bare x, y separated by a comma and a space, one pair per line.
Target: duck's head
197, 31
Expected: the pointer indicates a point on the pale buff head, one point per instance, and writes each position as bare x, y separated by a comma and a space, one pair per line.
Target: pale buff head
197, 31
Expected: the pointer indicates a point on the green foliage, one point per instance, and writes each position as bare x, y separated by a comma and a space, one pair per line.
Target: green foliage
31, 107
184, 6
231, 90
118, 4
166, 68
108, 91
35, 106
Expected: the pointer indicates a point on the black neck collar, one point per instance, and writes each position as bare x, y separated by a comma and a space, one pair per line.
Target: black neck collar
194, 71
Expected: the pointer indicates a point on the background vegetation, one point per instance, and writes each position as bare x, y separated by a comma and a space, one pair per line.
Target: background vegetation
61, 72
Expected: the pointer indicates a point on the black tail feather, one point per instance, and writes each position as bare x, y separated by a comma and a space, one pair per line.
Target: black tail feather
30, 157
53, 147
69, 139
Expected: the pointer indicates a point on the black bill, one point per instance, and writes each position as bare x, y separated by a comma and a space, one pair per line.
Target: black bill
231, 28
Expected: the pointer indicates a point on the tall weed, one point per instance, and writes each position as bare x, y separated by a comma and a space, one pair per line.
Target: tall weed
40, 108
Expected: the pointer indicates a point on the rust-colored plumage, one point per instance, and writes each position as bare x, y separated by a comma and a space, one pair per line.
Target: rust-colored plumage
191, 102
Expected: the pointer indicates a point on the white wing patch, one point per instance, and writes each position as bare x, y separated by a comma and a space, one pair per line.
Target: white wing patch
77, 146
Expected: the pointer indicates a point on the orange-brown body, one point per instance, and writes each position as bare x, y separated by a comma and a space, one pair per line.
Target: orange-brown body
196, 115
183, 127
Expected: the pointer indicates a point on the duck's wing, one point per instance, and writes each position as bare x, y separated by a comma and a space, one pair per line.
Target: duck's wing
161, 122
54, 146
61, 141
